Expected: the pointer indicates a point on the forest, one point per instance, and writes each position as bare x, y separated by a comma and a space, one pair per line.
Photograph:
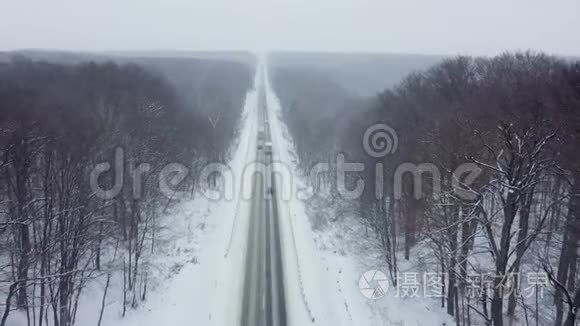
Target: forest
58, 120
515, 118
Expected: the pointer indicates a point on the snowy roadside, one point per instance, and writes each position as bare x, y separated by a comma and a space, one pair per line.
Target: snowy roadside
323, 267
208, 291
348, 248
313, 296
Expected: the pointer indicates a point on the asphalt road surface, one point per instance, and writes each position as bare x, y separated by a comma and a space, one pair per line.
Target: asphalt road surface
264, 303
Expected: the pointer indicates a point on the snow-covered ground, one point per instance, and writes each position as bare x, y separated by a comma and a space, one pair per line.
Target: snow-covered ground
323, 267
311, 295
197, 269
209, 291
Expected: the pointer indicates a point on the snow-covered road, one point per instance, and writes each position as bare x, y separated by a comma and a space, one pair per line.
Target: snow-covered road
227, 284
264, 299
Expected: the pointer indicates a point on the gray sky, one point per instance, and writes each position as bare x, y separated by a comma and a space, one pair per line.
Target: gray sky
409, 26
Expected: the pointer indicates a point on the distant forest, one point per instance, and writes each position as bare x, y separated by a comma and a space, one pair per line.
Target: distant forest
359, 74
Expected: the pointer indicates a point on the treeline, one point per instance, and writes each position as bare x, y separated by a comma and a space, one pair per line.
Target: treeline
59, 122
514, 120
215, 89
310, 101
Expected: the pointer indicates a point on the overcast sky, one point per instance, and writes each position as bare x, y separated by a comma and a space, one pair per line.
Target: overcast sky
409, 26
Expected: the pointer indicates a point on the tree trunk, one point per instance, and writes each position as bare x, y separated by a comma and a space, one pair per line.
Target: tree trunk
497, 305
7, 305
22, 273
520, 247
568, 251
410, 228
571, 317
